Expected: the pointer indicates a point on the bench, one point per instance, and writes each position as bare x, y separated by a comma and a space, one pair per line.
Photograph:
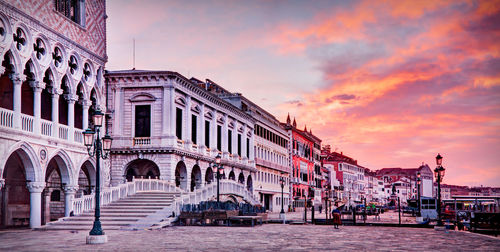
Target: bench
218, 215
190, 217
486, 223
245, 219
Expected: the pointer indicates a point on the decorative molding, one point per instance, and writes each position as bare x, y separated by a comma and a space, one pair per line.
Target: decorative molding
35, 187
70, 189
142, 97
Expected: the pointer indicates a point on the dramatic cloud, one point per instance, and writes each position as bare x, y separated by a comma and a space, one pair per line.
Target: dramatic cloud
424, 79
389, 83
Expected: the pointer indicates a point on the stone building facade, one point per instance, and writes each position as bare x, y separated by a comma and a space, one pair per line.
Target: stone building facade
305, 156
165, 125
51, 81
271, 153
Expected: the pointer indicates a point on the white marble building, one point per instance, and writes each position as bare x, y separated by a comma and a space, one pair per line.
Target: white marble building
271, 153
164, 125
50, 83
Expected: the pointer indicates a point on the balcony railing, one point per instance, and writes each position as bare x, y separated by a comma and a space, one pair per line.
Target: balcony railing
46, 128
63, 132
142, 141
27, 122
78, 135
6, 117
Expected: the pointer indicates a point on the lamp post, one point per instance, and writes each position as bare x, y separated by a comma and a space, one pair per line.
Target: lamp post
419, 180
99, 148
282, 183
439, 174
218, 166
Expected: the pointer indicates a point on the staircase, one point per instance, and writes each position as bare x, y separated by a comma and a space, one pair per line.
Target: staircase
122, 214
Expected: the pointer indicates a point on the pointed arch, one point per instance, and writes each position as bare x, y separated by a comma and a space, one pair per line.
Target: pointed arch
65, 166
29, 158
241, 178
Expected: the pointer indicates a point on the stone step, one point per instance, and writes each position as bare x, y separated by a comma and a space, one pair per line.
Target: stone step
103, 218
136, 207
119, 214
125, 211
90, 223
116, 214
150, 198
75, 227
133, 204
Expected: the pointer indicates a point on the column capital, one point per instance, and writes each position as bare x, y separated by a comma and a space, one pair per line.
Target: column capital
71, 98
2, 183
35, 187
37, 85
70, 189
16, 78
56, 91
86, 104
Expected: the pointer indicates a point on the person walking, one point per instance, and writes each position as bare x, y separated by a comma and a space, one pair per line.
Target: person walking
336, 218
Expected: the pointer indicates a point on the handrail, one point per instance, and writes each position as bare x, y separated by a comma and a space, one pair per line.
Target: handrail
112, 194
205, 193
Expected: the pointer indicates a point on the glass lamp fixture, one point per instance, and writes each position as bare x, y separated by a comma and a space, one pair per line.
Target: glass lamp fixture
106, 143
88, 138
439, 160
98, 117
217, 159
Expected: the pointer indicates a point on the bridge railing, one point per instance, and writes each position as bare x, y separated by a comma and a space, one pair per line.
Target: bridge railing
112, 194
209, 191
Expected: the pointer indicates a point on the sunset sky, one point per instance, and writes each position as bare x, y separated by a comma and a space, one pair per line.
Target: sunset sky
389, 83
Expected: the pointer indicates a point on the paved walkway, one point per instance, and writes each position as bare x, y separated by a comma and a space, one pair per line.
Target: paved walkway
386, 217
270, 237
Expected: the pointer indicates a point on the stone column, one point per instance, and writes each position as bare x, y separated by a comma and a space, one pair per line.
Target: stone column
69, 195
252, 149
201, 129
85, 116
71, 98
164, 112
213, 130
17, 82
244, 142
55, 111
35, 189
187, 131
117, 111
224, 136
37, 104
171, 107
2, 183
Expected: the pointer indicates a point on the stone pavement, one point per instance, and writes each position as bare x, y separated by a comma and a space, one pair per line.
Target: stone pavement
268, 237
386, 217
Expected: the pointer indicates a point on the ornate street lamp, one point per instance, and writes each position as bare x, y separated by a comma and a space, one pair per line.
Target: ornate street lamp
282, 183
99, 148
439, 174
419, 180
219, 168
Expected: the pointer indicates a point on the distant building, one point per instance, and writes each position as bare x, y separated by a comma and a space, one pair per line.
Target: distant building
306, 175
350, 174
270, 148
393, 175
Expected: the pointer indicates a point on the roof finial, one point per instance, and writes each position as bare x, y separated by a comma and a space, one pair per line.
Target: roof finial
288, 119
305, 128
294, 123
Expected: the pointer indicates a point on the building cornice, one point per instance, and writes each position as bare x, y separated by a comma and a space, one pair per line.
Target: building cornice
148, 76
